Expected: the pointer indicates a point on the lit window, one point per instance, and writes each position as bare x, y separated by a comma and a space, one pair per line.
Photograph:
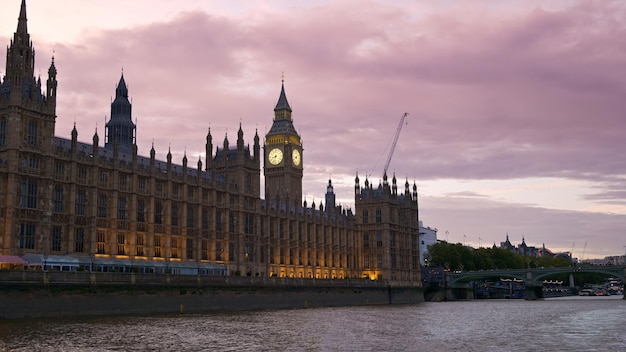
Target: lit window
121, 244
101, 242
140, 245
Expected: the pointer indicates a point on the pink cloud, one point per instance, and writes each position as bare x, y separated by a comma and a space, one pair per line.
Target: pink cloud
492, 221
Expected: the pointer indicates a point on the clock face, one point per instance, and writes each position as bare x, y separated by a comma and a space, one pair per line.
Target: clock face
275, 156
295, 156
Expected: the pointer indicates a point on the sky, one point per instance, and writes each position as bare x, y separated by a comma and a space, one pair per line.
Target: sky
516, 108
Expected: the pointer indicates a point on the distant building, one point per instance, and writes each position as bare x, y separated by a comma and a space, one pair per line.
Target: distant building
615, 260
522, 249
610, 260
428, 237
530, 251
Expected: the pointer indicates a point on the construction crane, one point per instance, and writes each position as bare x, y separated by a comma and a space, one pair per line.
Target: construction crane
583, 255
395, 140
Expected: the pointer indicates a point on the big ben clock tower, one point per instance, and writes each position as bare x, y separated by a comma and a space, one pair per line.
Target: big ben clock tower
283, 155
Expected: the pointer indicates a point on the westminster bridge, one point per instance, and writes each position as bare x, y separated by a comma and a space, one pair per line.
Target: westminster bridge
457, 284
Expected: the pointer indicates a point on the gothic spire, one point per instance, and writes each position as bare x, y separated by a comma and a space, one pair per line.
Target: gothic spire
240, 139
330, 196
282, 103
121, 91
257, 147
20, 61
22, 27
51, 86
120, 128
74, 132
282, 111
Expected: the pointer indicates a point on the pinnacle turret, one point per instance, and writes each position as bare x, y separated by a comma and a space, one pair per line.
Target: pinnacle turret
22, 26
282, 111
283, 123
120, 128
282, 103
240, 139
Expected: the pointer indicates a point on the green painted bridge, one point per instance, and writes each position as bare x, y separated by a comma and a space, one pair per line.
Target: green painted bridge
457, 282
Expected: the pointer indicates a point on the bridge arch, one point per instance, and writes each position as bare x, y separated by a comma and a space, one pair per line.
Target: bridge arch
612, 271
464, 278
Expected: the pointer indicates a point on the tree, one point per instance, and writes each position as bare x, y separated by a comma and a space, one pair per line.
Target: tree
460, 257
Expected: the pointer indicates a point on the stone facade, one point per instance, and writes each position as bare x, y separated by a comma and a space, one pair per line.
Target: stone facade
60, 196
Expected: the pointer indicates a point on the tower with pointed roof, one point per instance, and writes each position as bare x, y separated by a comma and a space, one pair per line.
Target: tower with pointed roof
27, 121
27, 114
283, 162
120, 129
330, 196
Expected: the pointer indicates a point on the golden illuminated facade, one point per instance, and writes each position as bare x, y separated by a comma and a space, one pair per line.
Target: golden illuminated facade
388, 228
94, 202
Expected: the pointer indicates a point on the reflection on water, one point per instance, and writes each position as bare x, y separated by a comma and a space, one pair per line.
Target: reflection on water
572, 323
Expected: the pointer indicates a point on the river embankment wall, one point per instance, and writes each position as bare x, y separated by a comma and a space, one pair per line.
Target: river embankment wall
32, 294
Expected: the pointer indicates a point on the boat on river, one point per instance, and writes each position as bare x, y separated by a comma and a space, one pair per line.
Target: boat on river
587, 292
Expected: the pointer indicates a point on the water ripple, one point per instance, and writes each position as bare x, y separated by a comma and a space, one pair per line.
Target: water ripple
590, 324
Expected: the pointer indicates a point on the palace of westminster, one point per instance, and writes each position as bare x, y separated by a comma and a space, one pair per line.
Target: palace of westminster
104, 203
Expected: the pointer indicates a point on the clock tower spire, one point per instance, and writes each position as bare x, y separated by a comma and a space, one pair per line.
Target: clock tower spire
283, 155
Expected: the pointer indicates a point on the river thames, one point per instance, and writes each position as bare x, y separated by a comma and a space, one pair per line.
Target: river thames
556, 324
